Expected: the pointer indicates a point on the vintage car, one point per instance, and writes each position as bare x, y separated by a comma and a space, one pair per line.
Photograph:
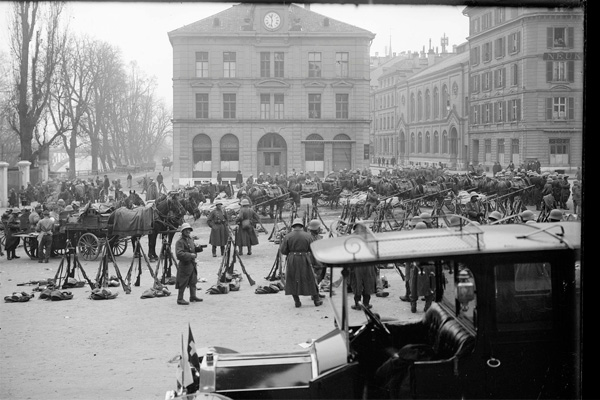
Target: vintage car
505, 323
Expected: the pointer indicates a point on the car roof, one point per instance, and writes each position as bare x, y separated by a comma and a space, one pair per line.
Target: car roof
369, 247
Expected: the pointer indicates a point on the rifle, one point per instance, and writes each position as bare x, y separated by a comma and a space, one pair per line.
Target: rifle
237, 256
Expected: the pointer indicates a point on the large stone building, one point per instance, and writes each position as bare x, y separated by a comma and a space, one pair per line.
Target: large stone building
512, 92
526, 86
269, 88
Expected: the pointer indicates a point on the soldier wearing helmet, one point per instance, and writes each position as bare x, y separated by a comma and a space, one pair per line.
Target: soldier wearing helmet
494, 216
556, 215
426, 218
187, 276
527, 216
299, 275
246, 234
371, 202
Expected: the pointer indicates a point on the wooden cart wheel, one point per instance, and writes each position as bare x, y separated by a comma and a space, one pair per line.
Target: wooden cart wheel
88, 246
28, 245
119, 246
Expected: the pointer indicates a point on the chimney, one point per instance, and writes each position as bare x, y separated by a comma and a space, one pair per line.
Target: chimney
430, 58
454, 48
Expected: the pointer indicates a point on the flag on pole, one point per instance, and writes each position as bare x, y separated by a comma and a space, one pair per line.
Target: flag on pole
192, 353
184, 372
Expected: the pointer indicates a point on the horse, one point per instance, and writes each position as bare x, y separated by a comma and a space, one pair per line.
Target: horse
272, 196
168, 216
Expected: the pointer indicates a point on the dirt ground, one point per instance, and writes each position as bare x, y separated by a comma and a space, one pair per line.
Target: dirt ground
121, 348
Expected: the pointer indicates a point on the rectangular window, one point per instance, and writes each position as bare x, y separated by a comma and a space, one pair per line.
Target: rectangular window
487, 113
500, 147
265, 106
514, 42
229, 64
201, 105
514, 76
559, 151
341, 106
560, 71
341, 65
523, 287
500, 78
487, 51
475, 56
499, 111
229, 105
278, 106
265, 64
201, 64
487, 150
560, 108
487, 81
499, 47
475, 86
486, 21
559, 38
278, 66
514, 110
314, 106
499, 15
475, 115
314, 65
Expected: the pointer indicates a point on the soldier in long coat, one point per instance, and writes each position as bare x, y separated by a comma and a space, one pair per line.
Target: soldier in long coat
299, 275
246, 234
187, 276
219, 233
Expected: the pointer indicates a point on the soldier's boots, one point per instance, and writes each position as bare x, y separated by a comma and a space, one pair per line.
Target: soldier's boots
413, 307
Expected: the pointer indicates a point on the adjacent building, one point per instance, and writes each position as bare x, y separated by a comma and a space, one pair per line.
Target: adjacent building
512, 93
267, 88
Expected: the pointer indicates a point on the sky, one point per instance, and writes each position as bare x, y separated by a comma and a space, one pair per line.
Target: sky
140, 29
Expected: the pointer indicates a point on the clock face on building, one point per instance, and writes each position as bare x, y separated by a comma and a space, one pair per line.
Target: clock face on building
272, 20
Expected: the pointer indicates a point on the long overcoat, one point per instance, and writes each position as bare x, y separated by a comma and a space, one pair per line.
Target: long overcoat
217, 220
185, 249
299, 274
246, 237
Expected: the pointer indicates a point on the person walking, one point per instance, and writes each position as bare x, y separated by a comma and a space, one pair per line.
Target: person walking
219, 178
219, 233
246, 234
129, 180
45, 229
186, 251
299, 274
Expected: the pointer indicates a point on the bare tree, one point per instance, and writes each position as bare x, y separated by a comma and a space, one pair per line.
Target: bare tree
73, 93
36, 44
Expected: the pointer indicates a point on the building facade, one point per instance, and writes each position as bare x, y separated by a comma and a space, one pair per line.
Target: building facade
266, 88
526, 86
512, 93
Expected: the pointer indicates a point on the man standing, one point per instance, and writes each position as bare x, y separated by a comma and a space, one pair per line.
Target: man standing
159, 183
239, 179
219, 178
422, 284
299, 274
217, 220
246, 234
11, 228
371, 202
106, 186
576, 190
45, 228
187, 276
129, 179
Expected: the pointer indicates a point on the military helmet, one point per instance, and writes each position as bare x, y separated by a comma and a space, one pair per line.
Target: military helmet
556, 215
495, 215
527, 215
314, 225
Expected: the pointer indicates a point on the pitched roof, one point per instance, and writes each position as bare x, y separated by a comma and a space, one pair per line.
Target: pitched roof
242, 18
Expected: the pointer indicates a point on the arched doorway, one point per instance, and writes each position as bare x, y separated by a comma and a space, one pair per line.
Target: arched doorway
314, 151
342, 152
202, 153
453, 145
272, 154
